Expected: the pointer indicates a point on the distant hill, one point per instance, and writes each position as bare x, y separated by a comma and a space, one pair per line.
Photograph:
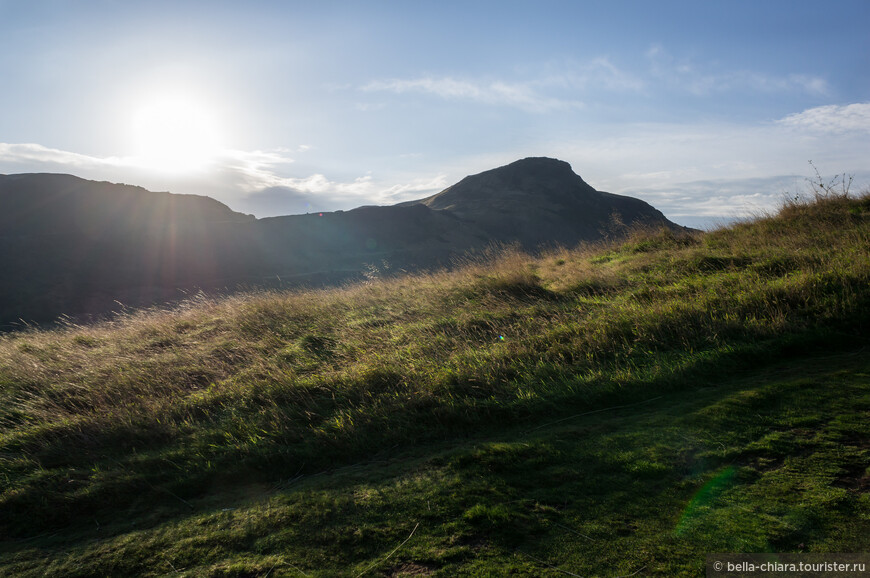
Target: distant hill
70, 246
541, 201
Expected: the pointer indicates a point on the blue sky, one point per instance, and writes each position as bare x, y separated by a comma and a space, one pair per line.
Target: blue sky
700, 108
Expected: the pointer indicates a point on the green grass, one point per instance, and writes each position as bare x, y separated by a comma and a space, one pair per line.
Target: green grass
599, 411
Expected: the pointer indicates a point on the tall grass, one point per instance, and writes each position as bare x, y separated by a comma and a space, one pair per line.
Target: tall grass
163, 404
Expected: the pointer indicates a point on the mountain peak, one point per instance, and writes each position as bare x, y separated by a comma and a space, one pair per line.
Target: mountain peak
537, 181
539, 200
536, 165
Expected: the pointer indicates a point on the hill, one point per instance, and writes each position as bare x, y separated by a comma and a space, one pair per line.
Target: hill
622, 409
541, 201
76, 247
80, 249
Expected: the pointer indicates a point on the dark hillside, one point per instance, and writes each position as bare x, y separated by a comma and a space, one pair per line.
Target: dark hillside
71, 246
341, 243
541, 201
79, 248
55, 203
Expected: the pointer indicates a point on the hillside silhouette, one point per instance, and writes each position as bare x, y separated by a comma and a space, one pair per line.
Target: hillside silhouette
541, 201
81, 248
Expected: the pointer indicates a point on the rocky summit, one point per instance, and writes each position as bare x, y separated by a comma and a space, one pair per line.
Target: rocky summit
541, 201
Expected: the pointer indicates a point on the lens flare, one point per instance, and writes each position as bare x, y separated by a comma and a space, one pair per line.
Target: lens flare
703, 499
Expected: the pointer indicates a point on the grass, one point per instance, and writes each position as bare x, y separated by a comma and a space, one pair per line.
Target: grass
596, 411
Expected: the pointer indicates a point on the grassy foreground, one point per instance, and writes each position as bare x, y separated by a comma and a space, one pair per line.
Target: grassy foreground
616, 410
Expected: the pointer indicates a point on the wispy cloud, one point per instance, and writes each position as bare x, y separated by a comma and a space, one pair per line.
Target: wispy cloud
602, 73
521, 95
318, 184
831, 119
318, 193
253, 170
31, 154
703, 79
729, 198
599, 74
415, 189
547, 87
568, 84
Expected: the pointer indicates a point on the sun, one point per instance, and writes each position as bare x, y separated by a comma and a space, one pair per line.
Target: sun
174, 133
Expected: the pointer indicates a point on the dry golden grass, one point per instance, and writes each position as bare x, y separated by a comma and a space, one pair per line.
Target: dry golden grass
283, 378
223, 393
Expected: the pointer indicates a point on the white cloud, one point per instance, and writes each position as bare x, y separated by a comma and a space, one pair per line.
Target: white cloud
593, 76
570, 85
519, 95
319, 184
416, 189
602, 73
831, 119
30, 154
730, 198
703, 79
253, 170
548, 87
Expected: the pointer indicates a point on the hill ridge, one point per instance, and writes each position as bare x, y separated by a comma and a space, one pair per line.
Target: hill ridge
77, 247
542, 201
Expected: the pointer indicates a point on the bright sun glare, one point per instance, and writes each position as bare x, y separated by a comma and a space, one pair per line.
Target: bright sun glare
174, 133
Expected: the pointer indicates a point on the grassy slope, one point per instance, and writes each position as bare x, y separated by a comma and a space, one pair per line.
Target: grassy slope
594, 411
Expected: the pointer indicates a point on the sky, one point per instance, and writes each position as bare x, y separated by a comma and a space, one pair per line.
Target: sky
706, 110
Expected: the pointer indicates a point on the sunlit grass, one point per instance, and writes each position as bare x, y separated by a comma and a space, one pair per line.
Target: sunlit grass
159, 416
